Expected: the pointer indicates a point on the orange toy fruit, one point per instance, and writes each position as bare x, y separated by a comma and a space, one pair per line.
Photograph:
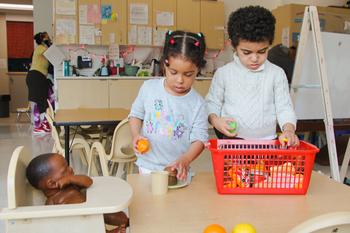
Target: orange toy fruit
142, 145
214, 228
244, 228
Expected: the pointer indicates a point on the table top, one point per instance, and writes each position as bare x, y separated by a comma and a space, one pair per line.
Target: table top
191, 209
90, 116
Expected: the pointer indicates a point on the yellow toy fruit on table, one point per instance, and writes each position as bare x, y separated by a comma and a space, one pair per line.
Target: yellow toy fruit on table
143, 145
243, 228
214, 228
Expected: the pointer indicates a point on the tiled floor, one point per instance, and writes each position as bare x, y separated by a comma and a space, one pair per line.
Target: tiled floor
14, 134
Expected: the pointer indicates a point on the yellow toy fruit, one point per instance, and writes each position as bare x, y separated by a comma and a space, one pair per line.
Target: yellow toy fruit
244, 228
214, 228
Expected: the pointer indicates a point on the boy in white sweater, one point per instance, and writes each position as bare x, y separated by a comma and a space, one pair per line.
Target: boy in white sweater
250, 90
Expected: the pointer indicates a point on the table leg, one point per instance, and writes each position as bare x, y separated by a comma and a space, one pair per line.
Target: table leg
66, 143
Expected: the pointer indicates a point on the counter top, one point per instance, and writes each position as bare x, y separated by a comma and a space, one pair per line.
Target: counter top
115, 78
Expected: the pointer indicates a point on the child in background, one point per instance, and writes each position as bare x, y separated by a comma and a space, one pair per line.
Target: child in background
168, 112
51, 174
250, 90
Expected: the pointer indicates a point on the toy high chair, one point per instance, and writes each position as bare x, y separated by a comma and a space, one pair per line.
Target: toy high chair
27, 212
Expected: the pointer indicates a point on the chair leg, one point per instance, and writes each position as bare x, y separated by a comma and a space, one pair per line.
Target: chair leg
120, 170
18, 116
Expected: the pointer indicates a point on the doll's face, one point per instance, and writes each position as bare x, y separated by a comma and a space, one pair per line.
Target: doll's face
180, 74
252, 54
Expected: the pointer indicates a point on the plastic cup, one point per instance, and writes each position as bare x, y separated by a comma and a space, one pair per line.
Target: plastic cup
159, 182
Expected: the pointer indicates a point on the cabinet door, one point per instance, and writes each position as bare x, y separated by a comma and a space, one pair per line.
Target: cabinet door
188, 15
82, 94
202, 86
164, 19
212, 23
90, 4
139, 22
114, 31
122, 93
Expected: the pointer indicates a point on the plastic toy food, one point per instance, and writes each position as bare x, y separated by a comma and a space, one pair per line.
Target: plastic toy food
214, 228
143, 145
233, 126
243, 228
172, 179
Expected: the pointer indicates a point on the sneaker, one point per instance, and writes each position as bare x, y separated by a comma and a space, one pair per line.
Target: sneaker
46, 126
39, 130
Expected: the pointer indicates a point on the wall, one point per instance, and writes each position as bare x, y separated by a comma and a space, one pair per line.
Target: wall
4, 81
42, 14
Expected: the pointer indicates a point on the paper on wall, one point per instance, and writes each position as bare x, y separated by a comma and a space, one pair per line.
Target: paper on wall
144, 35
54, 55
65, 7
132, 34
87, 34
113, 51
138, 14
285, 36
66, 27
159, 36
164, 18
83, 12
93, 14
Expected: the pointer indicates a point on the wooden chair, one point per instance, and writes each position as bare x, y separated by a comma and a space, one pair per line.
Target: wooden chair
327, 223
121, 153
26, 211
77, 143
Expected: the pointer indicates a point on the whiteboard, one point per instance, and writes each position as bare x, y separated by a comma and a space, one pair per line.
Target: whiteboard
308, 101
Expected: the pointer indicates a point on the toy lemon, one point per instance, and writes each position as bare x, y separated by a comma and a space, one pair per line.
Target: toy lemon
243, 228
143, 145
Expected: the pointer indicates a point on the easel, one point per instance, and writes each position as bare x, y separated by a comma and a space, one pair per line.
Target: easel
311, 24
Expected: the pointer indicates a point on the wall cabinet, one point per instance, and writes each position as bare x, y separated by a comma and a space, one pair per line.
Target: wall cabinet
106, 93
212, 23
138, 22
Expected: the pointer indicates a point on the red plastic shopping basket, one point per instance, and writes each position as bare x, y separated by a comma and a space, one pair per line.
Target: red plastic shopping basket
261, 166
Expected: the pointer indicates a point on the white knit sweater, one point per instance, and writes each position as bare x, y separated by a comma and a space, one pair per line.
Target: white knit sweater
256, 99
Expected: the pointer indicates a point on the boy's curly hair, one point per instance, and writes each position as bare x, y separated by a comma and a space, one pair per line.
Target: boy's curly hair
252, 23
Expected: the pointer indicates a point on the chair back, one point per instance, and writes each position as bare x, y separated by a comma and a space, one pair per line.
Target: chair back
122, 147
20, 192
332, 222
57, 148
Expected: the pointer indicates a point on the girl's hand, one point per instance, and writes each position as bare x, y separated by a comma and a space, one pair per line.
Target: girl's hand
135, 140
182, 165
223, 125
288, 138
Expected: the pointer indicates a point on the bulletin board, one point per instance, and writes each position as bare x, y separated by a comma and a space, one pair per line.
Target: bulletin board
89, 12
308, 98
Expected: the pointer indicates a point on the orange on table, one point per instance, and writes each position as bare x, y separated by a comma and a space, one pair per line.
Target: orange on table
214, 228
244, 228
142, 145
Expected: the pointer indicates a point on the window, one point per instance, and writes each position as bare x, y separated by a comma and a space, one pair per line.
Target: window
20, 45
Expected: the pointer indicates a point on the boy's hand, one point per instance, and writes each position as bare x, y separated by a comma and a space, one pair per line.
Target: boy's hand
182, 165
223, 125
288, 138
64, 181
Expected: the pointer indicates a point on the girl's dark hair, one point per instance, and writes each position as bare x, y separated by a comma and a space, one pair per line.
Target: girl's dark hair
252, 23
38, 169
189, 45
39, 37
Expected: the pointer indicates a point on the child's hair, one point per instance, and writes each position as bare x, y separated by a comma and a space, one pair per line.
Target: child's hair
189, 45
252, 23
39, 37
38, 169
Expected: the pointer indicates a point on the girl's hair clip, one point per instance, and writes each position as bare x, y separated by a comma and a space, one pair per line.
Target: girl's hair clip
170, 32
196, 43
172, 41
199, 34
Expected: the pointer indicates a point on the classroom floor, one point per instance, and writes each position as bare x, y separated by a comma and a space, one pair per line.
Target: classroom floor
14, 134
